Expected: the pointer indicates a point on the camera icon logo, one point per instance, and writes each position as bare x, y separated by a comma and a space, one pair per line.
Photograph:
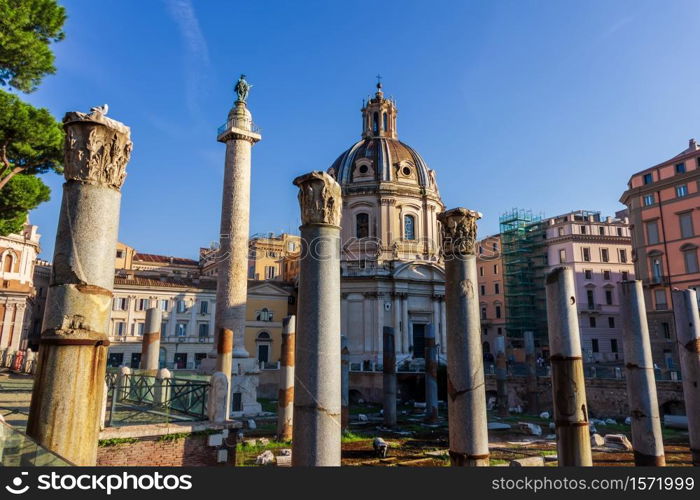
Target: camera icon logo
18, 489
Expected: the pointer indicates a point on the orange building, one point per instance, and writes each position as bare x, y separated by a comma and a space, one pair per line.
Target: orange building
491, 295
664, 210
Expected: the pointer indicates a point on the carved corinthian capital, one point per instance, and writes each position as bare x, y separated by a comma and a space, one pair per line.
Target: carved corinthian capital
97, 149
320, 198
458, 231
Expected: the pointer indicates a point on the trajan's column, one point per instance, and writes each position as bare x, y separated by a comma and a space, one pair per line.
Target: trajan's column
239, 135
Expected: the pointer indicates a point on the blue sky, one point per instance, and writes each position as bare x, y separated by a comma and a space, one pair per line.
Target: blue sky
543, 105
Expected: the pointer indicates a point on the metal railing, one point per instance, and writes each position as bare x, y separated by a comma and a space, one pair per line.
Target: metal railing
232, 123
131, 396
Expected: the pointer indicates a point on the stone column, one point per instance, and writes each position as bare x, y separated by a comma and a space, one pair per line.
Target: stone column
150, 347
533, 405
431, 366
568, 387
161, 392
239, 136
641, 384
469, 445
285, 397
501, 376
317, 426
407, 342
396, 306
224, 347
65, 410
685, 309
389, 378
344, 383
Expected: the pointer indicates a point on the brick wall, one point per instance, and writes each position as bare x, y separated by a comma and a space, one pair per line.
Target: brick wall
157, 451
606, 397
173, 444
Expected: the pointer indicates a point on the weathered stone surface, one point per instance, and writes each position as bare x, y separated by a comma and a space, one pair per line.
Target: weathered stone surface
618, 441
317, 408
498, 426
265, 458
568, 385
217, 408
530, 428
468, 433
528, 462
597, 440
65, 410
362, 417
545, 415
285, 397
320, 198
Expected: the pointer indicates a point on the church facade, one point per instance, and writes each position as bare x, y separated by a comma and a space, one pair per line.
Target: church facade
391, 269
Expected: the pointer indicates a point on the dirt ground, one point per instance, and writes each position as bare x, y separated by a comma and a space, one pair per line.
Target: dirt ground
417, 445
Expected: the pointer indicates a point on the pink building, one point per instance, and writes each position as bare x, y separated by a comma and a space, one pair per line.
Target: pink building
600, 253
663, 209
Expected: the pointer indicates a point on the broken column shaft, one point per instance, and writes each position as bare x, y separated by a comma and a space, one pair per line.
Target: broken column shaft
285, 396
466, 392
531, 380
568, 387
431, 366
685, 309
641, 384
344, 383
501, 377
70, 378
389, 378
317, 426
150, 346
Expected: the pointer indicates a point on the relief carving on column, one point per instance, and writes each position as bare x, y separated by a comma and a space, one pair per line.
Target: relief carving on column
458, 231
320, 198
97, 148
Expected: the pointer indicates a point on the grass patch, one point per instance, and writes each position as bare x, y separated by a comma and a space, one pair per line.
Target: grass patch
351, 437
268, 405
547, 453
259, 448
497, 461
116, 441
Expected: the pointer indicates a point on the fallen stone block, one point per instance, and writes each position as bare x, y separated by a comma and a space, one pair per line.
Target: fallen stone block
498, 426
265, 458
628, 421
618, 441
610, 421
263, 441
362, 417
284, 461
597, 440
286, 452
251, 424
544, 415
530, 428
528, 462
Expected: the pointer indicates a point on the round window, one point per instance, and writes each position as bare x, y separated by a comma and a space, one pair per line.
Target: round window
406, 171
363, 169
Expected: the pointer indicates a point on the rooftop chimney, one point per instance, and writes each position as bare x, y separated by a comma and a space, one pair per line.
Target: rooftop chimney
692, 145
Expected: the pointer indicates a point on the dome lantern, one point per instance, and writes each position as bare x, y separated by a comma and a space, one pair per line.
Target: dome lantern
379, 115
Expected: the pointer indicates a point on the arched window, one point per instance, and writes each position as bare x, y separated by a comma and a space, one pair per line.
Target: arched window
263, 315
362, 225
375, 122
409, 227
7, 265
384, 122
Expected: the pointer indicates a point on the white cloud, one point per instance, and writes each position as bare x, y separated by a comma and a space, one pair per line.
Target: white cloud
196, 51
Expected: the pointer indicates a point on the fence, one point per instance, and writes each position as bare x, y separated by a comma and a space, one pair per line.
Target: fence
138, 398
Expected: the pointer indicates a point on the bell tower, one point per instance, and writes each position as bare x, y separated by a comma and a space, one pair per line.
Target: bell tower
379, 115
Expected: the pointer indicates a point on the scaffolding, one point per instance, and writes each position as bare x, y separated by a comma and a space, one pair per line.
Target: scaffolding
524, 261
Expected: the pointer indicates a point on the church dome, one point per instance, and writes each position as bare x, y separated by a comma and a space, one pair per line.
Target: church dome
379, 156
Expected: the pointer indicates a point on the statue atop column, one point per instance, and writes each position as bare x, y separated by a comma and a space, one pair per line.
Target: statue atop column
242, 89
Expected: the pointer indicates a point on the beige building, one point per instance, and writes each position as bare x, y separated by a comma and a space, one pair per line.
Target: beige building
270, 257
391, 273
188, 307
18, 253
